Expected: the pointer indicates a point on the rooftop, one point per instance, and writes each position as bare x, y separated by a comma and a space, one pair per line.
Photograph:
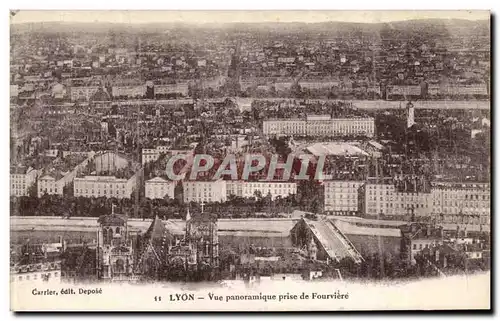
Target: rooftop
336, 149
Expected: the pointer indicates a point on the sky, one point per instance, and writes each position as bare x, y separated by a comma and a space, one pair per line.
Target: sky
138, 17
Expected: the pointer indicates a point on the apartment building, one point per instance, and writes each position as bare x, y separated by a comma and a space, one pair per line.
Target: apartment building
129, 91
105, 186
83, 93
182, 89
341, 197
320, 125
448, 202
204, 191
470, 202
21, 179
159, 187
249, 189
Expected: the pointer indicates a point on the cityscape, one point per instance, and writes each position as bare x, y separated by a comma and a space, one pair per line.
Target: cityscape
249, 152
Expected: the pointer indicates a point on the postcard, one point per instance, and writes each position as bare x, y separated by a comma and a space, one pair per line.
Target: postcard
250, 160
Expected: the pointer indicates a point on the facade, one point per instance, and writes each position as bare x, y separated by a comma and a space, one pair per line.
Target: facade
171, 89
36, 263
385, 199
204, 191
129, 91
83, 93
462, 202
249, 189
417, 237
320, 126
110, 162
410, 117
405, 90
115, 250
341, 197
105, 186
159, 188
53, 182
447, 202
21, 179
34, 273
201, 233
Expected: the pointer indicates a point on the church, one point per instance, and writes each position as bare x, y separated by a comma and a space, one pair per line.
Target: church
157, 254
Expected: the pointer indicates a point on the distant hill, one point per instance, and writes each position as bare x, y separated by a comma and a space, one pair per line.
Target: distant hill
437, 27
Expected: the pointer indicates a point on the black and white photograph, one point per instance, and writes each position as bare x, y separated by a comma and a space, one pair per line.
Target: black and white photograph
250, 160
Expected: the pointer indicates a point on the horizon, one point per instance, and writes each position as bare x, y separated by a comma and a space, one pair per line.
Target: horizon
140, 17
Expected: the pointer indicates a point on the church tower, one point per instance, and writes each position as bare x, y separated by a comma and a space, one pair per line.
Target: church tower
410, 114
115, 251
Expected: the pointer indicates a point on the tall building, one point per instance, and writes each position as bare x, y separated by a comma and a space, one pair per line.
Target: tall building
410, 117
83, 93
105, 186
449, 202
21, 179
115, 250
152, 251
341, 197
462, 202
55, 178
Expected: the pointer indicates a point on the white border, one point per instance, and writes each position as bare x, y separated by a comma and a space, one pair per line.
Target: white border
180, 5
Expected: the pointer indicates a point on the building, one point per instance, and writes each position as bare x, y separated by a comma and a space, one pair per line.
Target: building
204, 191
461, 202
192, 254
321, 240
448, 202
83, 93
105, 186
115, 250
21, 179
384, 199
133, 91
341, 197
284, 127
417, 237
159, 188
163, 90
201, 232
153, 249
410, 115
249, 189
110, 162
321, 125
14, 90
56, 178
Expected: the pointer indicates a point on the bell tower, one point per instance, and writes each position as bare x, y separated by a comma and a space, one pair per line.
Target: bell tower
115, 251
410, 114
